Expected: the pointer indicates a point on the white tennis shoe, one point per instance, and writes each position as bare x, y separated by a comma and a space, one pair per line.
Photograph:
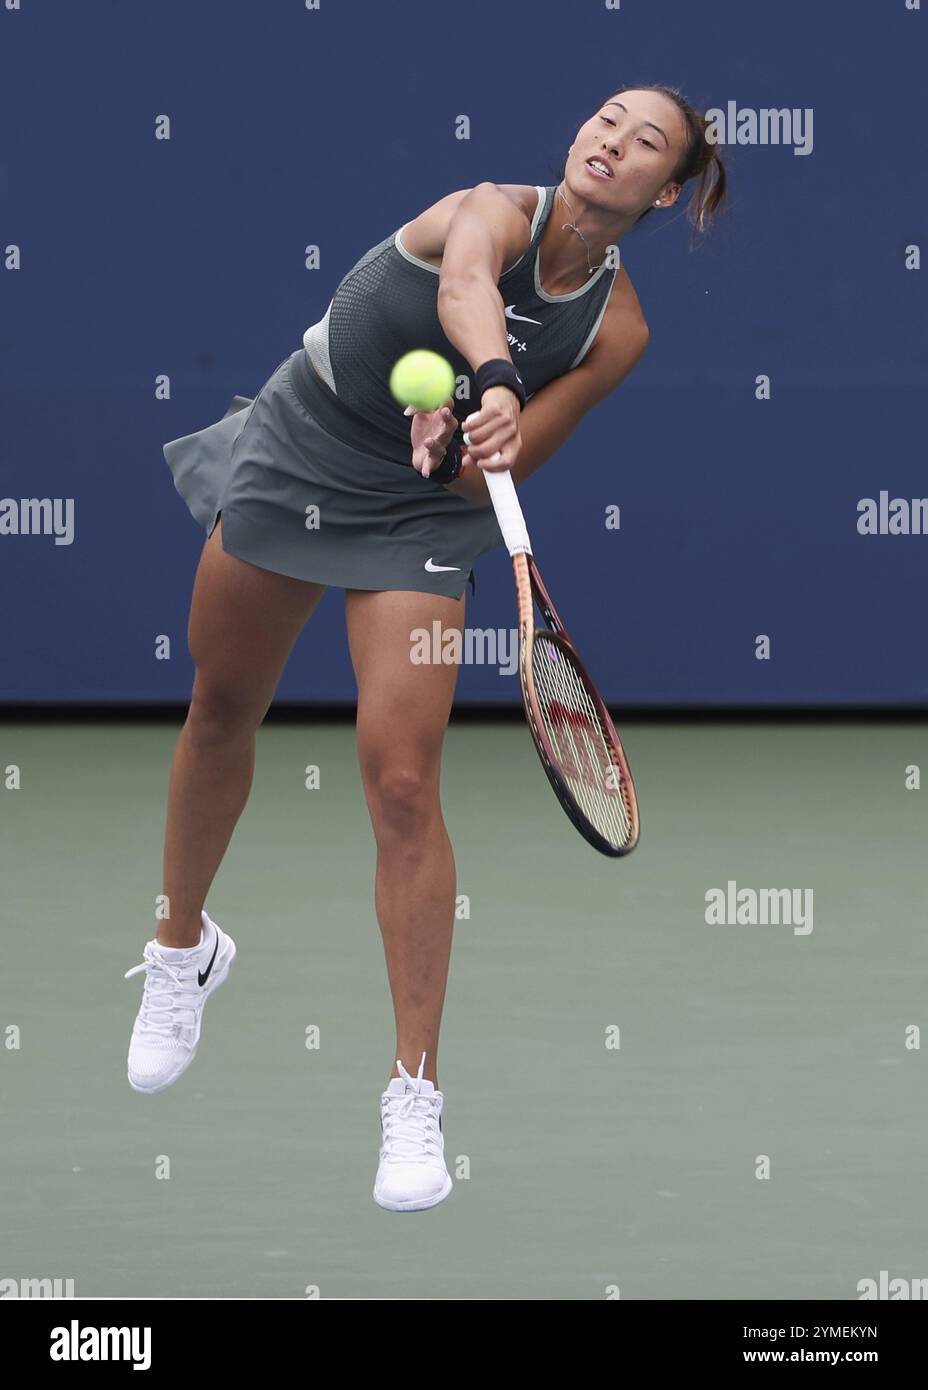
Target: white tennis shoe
411, 1175
177, 986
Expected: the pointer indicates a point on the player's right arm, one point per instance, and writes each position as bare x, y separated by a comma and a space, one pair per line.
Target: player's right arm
474, 235
487, 232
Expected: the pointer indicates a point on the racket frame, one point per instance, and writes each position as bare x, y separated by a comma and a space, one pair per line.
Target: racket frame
528, 577
531, 590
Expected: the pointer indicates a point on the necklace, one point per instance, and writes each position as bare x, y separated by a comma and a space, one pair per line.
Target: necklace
574, 228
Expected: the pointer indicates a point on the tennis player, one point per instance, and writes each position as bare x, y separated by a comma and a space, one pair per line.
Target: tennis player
322, 480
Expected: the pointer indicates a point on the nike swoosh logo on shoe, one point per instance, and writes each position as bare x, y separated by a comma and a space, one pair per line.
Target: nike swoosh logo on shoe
203, 975
434, 569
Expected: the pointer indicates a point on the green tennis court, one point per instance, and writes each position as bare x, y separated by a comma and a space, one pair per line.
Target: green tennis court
580, 1166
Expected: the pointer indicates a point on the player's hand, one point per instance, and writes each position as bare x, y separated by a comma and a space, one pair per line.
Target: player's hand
431, 432
493, 437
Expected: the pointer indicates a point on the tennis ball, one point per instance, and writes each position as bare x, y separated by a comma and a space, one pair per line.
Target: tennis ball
422, 379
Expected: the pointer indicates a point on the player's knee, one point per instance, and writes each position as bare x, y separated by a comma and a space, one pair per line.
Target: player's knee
402, 799
220, 714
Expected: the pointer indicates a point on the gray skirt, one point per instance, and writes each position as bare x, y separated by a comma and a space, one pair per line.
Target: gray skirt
298, 501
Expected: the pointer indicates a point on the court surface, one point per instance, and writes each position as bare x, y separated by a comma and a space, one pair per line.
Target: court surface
580, 1167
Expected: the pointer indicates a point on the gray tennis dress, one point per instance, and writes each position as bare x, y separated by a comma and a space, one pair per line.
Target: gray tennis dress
314, 477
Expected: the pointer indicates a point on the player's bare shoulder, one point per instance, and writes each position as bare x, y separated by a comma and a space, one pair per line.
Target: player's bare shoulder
524, 195
424, 237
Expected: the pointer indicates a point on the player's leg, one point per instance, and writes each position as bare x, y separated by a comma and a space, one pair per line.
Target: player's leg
403, 710
243, 624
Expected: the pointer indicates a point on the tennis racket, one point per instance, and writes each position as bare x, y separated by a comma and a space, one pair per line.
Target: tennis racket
573, 732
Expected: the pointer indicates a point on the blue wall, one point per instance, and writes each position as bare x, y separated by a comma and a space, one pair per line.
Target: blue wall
142, 257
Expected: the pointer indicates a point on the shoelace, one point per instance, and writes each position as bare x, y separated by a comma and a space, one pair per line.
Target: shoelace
410, 1123
160, 1005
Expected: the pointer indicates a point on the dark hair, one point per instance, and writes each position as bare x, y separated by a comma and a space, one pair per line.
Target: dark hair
701, 160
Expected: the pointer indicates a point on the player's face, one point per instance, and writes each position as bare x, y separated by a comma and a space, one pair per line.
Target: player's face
641, 137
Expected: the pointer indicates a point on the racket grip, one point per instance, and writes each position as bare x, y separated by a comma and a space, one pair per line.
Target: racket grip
508, 511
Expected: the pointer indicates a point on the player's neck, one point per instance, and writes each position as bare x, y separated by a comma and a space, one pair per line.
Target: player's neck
565, 257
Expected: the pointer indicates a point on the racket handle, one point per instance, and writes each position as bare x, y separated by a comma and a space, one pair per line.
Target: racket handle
508, 511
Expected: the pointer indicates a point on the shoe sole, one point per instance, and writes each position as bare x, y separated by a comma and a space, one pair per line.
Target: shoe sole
418, 1203
220, 976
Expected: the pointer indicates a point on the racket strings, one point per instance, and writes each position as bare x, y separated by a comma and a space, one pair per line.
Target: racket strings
582, 747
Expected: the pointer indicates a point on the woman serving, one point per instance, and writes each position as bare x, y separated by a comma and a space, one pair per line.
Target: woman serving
322, 480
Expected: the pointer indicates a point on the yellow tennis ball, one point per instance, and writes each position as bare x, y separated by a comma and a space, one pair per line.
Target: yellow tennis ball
422, 379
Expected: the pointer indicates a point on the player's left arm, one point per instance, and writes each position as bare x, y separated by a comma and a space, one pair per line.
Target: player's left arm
554, 411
